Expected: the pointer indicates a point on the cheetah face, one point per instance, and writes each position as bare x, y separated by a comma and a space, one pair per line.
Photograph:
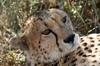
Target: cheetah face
48, 36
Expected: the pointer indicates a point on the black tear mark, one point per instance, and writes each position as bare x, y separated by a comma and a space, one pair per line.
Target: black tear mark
57, 41
56, 38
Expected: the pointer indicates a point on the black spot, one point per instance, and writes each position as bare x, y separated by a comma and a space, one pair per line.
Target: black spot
45, 64
90, 37
32, 54
39, 46
78, 48
45, 58
74, 65
40, 18
84, 44
93, 65
82, 40
65, 61
39, 63
86, 48
55, 64
92, 45
35, 65
83, 60
90, 51
60, 50
98, 44
80, 54
45, 24
37, 29
66, 56
74, 60
96, 48
25, 44
84, 55
48, 57
92, 41
39, 42
93, 55
45, 51
94, 61
40, 49
96, 51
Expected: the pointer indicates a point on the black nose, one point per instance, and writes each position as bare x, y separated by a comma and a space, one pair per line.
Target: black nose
70, 38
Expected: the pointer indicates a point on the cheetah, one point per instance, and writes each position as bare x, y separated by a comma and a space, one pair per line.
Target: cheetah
48, 36
55, 53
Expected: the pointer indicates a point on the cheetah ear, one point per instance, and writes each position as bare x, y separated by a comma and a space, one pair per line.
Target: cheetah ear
19, 42
59, 5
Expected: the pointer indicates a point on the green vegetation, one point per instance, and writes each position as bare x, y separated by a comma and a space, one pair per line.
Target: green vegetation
85, 16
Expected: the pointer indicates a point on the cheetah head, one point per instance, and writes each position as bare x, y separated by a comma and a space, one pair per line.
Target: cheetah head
48, 36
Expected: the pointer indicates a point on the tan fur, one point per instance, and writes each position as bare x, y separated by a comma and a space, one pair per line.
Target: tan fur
41, 48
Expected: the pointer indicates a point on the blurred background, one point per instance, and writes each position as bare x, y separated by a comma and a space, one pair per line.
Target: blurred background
84, 14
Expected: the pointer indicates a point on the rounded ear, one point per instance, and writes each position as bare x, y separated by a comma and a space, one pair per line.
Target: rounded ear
19, 42
59, 5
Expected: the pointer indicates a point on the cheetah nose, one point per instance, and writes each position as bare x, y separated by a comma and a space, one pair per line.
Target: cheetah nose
70, 38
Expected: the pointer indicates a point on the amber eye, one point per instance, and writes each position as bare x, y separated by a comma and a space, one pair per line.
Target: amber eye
46, 32
64, 19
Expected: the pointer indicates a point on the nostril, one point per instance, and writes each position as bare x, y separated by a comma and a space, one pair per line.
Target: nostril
70, 38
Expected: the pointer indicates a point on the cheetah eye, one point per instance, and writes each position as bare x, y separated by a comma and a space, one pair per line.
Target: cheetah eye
46, 32
64, 19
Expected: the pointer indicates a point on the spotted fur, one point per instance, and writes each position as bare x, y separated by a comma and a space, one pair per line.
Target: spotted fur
87, 54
